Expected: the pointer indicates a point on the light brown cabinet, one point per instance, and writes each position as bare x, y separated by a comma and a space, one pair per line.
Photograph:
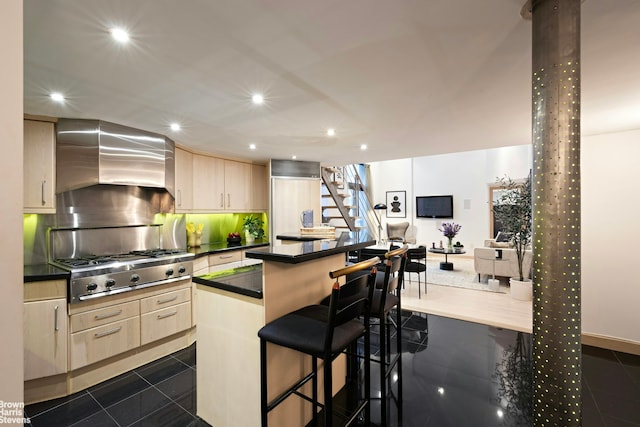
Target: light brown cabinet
164, 315
99, 343
39, 167
167, 321
212, 184
259, 188
208, 183
45, 338
103, 332
237, 185
221, 185
100, 330
184, 181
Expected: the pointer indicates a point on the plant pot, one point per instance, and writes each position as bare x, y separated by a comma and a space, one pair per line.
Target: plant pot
194, 240
521, 290
248, 237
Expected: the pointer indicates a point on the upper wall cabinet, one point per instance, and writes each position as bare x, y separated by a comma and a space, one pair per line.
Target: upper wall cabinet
184, 181
259, 188
237, 185
208, 183
218, 184
39, 167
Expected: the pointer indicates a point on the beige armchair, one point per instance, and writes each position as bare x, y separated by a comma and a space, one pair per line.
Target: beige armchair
401, 231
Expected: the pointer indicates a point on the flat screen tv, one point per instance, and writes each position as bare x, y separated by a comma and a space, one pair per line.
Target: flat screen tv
434, 206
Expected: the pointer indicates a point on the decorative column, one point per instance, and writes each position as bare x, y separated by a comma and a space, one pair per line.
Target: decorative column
557, 356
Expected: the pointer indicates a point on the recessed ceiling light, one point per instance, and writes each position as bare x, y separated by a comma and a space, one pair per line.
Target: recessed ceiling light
120, 35
175, 127
331, 132
252, 146
257, 98
363, 147
294, 157
58, 97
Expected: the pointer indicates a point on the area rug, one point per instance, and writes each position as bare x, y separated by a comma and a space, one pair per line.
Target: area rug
462, 276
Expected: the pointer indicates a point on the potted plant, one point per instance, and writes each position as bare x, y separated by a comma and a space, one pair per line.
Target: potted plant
513, 211
450, 230
252, 227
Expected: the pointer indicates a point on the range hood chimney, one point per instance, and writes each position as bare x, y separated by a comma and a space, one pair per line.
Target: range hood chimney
91, 152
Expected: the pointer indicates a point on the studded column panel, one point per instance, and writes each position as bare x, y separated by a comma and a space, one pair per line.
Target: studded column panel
556, 212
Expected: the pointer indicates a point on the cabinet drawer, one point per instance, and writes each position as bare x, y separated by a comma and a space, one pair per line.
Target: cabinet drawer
102, 316
162, 323
225, 257
200, 265
164, 300
93, 345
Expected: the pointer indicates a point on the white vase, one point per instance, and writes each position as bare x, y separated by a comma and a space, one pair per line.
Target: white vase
248, 237
494, 285
521, 290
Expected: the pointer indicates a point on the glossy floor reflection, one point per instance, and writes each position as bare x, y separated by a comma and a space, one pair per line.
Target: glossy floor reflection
451, 377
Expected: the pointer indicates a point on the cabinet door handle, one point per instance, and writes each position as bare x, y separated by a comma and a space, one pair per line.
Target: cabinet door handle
226, 256
109, 332
222, 200
179, 197
106, 316
228, 200
164, 316
43, 184
55, 318
166, 300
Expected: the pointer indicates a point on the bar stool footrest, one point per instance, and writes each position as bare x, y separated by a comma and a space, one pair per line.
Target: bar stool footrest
293, 390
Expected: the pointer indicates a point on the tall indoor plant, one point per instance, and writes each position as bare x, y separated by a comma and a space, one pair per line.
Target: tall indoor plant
513, 211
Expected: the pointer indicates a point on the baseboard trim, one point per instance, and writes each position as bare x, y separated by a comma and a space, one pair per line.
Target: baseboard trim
615, 344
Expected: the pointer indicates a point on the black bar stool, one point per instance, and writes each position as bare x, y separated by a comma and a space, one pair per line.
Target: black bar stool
385, 298
323, 332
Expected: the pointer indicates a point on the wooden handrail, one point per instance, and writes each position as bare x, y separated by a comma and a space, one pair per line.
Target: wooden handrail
372, 262
396, 252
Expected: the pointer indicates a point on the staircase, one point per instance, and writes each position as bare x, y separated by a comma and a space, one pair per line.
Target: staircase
346, 204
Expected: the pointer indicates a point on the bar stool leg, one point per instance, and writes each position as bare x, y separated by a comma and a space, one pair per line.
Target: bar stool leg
328, 396
399, 362
383, 369
263, 382
367, 372
314, 393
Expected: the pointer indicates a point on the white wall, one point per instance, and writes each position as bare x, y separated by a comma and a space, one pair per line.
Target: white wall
11, 113
610, 210
467, 176
610, 235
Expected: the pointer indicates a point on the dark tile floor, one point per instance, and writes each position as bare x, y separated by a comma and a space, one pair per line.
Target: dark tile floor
452, 376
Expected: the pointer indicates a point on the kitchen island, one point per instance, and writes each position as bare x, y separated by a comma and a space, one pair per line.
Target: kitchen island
228, 349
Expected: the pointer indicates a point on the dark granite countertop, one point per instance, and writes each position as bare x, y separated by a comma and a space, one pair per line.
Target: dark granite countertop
296, 236
212, 248
294, 253
42, 272
245, 280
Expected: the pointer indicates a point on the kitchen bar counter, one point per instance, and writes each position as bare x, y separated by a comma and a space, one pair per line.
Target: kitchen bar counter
295, 253
217, 247
245, 280
297, 237
228, 351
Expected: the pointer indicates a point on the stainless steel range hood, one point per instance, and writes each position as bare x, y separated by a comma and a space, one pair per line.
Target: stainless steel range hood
91, 152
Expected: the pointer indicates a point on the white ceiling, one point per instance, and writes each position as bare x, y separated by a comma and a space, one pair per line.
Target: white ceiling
405, 77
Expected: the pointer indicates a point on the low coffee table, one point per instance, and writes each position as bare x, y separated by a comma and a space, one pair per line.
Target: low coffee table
446, 265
